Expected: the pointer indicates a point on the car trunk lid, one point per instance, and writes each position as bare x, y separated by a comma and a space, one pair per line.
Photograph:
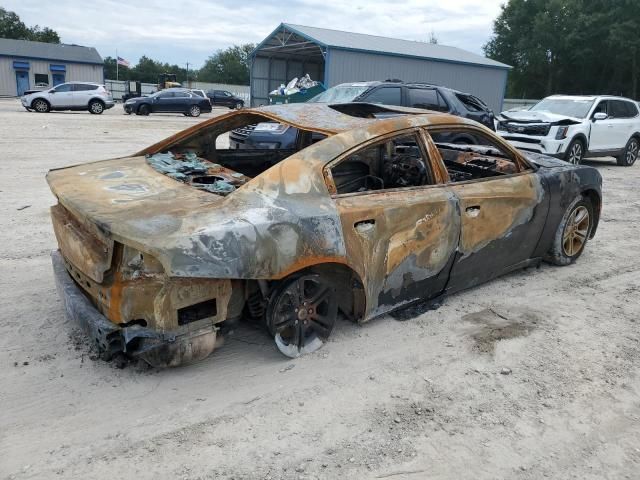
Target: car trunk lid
120, 199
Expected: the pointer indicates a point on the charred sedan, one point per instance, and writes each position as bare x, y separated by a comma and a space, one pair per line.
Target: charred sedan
372, 211
170, 100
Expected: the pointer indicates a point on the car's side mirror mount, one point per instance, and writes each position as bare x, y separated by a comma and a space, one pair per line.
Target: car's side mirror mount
599, 116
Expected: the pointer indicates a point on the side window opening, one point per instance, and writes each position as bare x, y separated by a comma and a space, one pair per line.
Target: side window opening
465, 161
394, 163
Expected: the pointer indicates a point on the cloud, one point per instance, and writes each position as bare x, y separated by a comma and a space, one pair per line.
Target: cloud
191, 30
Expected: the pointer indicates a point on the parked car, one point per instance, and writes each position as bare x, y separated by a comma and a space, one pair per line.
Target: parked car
70, 96
161, 252
199, 92
418, 95
575, 127
223, 98
170, 100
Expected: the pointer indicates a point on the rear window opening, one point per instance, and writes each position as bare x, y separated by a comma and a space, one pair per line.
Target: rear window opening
206, 160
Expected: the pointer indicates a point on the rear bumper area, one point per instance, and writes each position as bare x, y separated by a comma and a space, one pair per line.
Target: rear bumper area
156, 348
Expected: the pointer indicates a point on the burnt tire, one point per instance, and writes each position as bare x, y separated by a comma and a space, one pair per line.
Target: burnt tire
40, 105
630, 154
575, 152
143, 110
96, 107
573, 233
301, 314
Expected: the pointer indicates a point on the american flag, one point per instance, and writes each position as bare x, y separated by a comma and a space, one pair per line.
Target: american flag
123, 62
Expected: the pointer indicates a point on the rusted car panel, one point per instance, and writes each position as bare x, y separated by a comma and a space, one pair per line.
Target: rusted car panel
166, 260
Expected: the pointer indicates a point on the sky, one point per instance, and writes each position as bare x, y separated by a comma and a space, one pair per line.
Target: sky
192, 30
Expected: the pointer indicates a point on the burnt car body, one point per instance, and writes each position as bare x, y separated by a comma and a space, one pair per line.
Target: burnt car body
160, 251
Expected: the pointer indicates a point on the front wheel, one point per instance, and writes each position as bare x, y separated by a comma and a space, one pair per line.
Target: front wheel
194, 111
575, 152
630, 154
572, 233
144, 110
40, 105
301, 314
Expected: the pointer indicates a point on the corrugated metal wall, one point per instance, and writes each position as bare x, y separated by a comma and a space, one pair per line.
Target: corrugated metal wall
74, 73
267, 73
486, 83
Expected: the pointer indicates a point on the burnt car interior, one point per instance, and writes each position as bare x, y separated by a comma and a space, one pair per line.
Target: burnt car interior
205, 160
395, 163
466, 162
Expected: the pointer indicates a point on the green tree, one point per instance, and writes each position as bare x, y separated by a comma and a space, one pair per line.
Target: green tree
568, 46
228, 66
12, 27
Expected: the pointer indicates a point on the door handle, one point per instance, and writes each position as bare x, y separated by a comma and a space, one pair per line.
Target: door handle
473, 211
365, 226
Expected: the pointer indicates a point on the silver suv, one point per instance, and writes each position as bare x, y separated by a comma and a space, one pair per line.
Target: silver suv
70, 96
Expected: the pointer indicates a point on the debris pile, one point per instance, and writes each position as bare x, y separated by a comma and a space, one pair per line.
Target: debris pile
188, 168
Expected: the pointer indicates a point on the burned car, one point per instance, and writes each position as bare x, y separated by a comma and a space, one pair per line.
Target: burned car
370, 212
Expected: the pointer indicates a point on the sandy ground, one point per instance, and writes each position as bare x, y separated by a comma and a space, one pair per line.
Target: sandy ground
430, 397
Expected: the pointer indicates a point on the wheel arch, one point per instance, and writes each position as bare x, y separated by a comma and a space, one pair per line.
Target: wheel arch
94, 99
352, 299
40, 98
583, 138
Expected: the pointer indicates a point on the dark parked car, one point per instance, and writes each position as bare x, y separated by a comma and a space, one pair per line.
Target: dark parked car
418, 95
222, 98
171, 100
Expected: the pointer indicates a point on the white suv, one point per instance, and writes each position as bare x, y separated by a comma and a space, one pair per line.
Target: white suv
70, 96
575, 127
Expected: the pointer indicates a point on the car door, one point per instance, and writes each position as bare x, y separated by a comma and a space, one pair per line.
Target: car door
425, 97
82, 93
181, 101
162, 103
61, 96
502, 203
601, 130
623, 123
400, 239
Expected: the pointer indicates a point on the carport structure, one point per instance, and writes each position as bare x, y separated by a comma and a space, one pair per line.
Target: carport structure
334, 57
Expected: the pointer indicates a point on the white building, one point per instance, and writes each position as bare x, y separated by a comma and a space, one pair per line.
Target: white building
26, 65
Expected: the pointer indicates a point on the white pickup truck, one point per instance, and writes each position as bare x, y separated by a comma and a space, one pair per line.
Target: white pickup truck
574, 127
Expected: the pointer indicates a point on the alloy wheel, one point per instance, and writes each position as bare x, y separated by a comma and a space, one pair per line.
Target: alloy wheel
40, 106
631, 154
575, 154
576, 231
96, 107
303, 315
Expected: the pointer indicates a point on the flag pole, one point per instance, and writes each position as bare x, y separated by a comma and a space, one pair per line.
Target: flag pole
117, 72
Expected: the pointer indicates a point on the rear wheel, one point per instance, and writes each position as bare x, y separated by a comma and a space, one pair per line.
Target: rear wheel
238, 105
40, 105
96, 107
301, 314
573, 232
575, 152
630, 154
194, 111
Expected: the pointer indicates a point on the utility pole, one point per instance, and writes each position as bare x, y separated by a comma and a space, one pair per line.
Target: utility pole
188, 83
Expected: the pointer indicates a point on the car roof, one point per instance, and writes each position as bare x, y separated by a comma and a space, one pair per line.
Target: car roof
375, 83
588, 97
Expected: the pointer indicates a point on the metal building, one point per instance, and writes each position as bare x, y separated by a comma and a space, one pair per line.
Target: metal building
26, 65
334, 57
